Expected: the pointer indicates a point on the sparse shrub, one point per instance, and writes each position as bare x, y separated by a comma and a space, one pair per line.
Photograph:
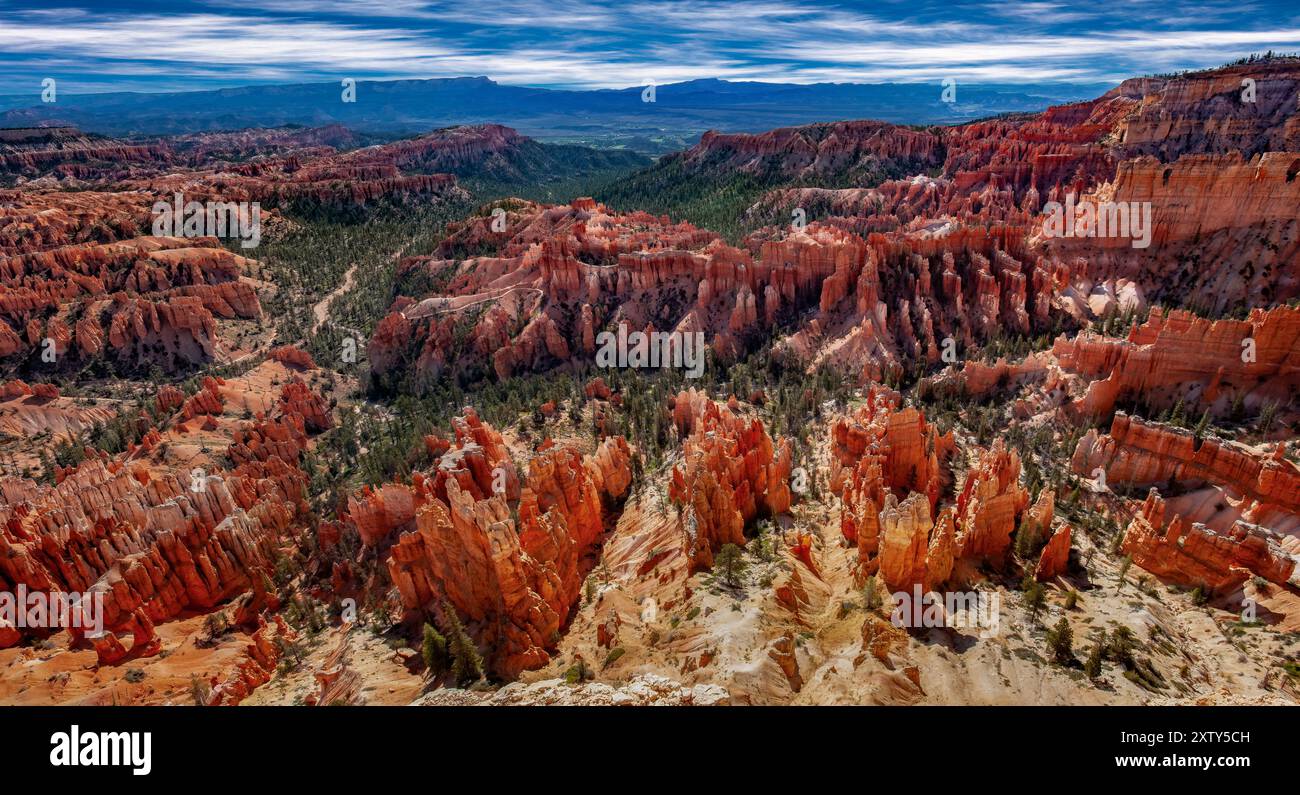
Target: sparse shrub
1123, 572
1266, 417
578, 673
1120, 648
200, 690
871, 598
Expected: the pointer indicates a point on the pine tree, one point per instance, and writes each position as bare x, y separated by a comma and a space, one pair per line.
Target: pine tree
1201, 426
1034, 596
1123, 571
1176, 416
1060, 641
435, 651
1120, 648
1092, 667
731, 563
466, 662
1235, 412
1027, 539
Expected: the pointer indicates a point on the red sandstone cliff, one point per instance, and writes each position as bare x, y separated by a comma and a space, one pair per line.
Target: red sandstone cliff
509, 561
152, 541
731, 471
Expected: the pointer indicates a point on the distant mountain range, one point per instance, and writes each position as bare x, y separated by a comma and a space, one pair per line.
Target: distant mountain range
675, 119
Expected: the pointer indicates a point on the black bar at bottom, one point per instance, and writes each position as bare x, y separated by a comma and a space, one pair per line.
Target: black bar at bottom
552, 744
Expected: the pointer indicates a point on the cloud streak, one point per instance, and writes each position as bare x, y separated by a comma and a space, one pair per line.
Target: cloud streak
582, 44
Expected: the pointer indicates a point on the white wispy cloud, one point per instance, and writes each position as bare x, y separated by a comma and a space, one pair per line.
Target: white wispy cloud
581, 43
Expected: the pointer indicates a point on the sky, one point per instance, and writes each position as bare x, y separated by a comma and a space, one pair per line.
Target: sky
183, 45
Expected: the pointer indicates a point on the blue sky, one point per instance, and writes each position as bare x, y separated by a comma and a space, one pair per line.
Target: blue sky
96, 46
